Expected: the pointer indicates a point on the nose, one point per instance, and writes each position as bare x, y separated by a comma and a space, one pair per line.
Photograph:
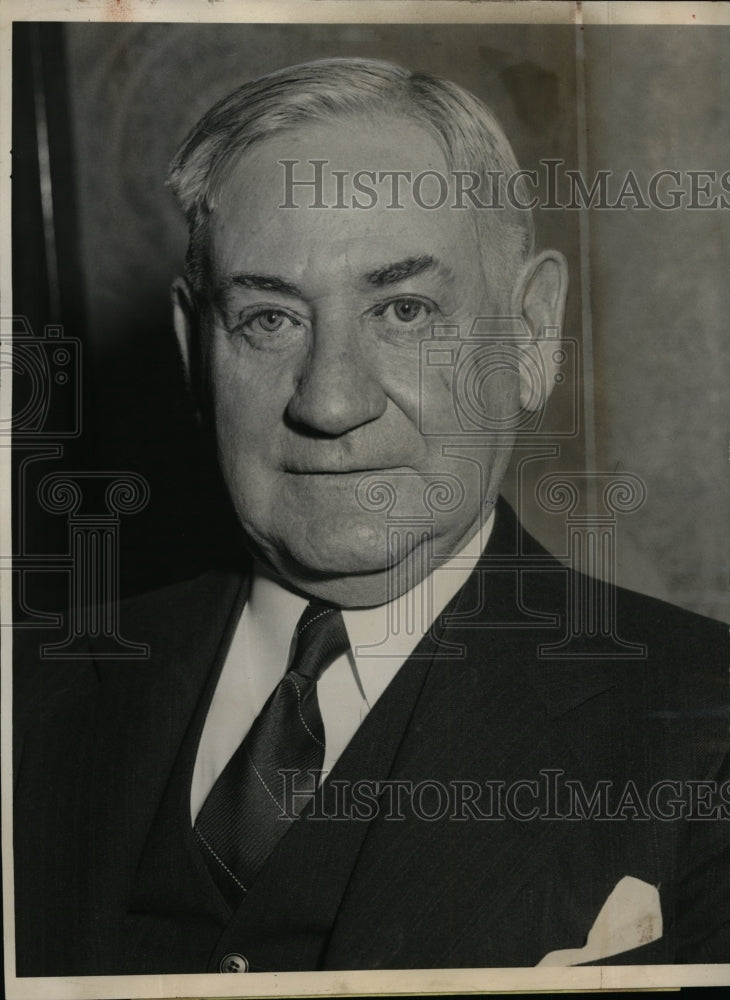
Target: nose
338, 389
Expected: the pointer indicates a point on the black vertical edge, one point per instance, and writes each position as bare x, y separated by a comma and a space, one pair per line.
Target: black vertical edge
29, 270
52, 45
48, 286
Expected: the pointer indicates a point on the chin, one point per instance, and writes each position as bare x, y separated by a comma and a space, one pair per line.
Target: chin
343, 547
333, 548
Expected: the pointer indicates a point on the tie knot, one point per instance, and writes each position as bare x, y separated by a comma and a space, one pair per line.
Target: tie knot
321, 637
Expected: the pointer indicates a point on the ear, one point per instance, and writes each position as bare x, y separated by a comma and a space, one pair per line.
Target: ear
539, 298
185, 322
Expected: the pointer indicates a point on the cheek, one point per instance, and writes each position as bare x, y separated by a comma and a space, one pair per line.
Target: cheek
233, 413
247, 406
484, 393
418, 388
495, 393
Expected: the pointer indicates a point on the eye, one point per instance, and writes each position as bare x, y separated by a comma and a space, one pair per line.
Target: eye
406, 311
270, 321
265, 322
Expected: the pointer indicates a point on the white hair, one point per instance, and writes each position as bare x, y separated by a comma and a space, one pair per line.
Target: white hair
326, 90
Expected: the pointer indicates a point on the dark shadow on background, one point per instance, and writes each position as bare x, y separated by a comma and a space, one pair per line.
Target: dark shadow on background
135, 415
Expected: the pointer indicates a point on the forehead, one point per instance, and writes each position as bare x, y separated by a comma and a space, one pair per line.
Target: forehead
251, 230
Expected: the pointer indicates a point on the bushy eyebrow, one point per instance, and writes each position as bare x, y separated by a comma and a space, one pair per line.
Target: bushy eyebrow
263, 283
400, 270
379, 277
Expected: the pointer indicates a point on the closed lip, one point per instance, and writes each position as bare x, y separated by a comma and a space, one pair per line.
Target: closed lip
339, 471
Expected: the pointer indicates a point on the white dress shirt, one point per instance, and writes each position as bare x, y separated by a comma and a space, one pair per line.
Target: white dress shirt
381, 640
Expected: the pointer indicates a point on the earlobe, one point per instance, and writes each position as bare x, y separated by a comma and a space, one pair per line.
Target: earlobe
539, 297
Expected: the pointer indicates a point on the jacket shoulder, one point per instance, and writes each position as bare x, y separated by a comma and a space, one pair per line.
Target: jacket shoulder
167, 619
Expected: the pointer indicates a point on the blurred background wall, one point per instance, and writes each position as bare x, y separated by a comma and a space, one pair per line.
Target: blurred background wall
649, 289
658, 99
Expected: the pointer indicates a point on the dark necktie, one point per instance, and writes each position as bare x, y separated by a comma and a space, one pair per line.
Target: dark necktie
252, 803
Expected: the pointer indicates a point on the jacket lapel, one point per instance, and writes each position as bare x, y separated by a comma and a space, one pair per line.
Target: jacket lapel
392, 890
161, 713
460, 886
285, 919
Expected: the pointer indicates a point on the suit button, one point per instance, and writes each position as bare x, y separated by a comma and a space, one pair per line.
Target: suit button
233, 963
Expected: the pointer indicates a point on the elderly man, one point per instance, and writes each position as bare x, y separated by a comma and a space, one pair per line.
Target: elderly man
356, 755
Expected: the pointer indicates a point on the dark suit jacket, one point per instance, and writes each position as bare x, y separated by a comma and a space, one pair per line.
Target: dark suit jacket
110, 881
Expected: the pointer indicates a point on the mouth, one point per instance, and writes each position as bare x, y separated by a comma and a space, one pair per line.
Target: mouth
355, 470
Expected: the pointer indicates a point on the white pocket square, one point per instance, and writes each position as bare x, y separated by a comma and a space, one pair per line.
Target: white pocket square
630, 917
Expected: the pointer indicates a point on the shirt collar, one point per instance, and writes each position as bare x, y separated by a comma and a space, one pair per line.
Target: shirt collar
381, 638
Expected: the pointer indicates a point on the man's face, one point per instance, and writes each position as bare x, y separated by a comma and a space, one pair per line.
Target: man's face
312, 338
